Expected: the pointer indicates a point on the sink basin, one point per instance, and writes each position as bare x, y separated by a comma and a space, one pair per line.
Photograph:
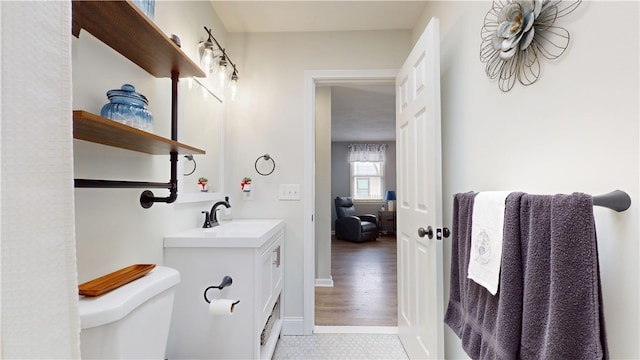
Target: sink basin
236, 233
240, 227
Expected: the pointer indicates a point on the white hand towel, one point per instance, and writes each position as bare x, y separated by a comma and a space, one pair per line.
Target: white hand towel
487, 230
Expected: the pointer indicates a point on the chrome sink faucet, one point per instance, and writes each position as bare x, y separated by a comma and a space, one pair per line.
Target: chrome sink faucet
211, 218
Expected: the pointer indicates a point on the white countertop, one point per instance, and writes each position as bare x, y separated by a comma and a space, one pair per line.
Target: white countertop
236, 233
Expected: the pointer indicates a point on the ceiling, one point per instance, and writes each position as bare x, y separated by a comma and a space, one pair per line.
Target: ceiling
363, 113
359, 113
286, 16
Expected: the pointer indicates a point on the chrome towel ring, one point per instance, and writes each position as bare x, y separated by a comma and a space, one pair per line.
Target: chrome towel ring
190, 158
266, 157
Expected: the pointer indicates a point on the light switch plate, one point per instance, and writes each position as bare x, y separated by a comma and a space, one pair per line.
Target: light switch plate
289, 192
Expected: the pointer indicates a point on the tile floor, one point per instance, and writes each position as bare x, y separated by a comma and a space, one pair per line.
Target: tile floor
340, 346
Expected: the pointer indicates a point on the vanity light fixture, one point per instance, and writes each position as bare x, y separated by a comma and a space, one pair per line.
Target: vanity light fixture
215, 60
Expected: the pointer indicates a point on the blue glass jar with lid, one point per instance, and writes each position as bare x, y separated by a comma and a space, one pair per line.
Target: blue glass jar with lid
128, 107
147, 7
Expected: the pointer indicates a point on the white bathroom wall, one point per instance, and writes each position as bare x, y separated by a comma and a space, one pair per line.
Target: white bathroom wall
267, 117
112, 229
576, 129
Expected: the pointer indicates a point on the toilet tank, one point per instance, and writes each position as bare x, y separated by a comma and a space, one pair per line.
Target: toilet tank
130, 322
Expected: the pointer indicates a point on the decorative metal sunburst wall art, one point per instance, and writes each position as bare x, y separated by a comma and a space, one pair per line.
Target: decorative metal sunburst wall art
516, 33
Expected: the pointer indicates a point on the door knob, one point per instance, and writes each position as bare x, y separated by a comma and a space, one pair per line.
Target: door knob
429, 232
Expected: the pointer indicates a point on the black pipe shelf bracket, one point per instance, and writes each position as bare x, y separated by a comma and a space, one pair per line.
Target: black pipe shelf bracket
161, 58
147, 198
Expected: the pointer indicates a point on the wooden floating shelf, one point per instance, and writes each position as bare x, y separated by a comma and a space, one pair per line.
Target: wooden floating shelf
94, 128
131, 33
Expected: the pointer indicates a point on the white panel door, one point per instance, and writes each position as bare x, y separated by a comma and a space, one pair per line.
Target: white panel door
420, 291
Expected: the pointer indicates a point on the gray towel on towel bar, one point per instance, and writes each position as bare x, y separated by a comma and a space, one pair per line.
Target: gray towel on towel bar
562, 311
549, 303
489, 325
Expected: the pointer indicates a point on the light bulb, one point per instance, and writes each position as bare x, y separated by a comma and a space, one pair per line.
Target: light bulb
233, 85
223, 70
223, 76
208, 56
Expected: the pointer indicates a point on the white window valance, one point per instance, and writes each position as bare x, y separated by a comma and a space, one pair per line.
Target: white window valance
367, 152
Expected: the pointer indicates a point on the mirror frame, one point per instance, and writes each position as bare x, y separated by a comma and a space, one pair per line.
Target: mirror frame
191, 197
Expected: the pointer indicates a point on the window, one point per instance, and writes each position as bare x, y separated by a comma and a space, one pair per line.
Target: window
367, 180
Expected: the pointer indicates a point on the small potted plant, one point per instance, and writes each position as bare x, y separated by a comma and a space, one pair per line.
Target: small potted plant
202, 181
246, 184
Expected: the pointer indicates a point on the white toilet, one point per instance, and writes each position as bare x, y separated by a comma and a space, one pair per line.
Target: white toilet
130, 322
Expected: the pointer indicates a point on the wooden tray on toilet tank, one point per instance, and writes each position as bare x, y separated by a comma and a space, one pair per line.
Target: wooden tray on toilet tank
114, 280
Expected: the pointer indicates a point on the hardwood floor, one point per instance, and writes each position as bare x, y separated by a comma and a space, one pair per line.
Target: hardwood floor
365, 285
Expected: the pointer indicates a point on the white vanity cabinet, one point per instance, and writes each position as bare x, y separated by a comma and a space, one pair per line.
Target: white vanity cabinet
255, 263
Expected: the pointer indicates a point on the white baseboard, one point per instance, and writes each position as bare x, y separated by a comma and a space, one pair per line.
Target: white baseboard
324, 282
293, 326
355, 330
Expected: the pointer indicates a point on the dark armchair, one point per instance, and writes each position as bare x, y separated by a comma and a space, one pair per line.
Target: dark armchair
352, 227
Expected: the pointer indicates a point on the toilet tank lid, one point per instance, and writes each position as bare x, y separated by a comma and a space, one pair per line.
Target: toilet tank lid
116, 304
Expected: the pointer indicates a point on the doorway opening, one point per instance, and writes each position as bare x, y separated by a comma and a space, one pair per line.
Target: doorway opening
312, 80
